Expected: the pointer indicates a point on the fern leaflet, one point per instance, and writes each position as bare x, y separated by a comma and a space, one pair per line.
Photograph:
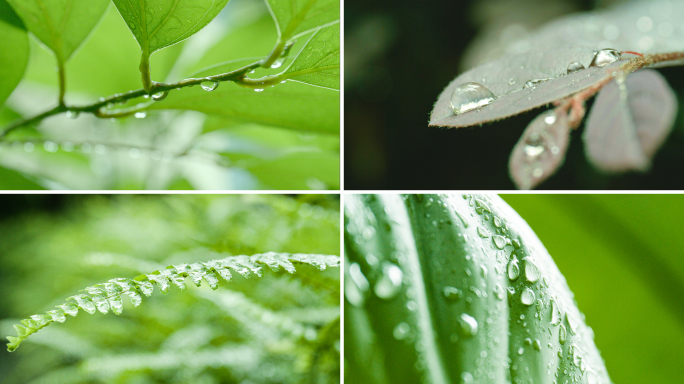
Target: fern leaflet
108, 296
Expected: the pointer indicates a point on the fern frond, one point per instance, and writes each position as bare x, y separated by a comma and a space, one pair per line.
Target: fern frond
108, 296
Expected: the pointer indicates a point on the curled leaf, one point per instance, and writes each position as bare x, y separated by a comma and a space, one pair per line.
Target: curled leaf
629, 121
541, 149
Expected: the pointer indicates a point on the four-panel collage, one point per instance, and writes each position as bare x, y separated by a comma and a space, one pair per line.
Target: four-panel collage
341, 191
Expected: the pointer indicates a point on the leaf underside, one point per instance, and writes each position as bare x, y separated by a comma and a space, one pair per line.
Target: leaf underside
319, 61
107, 296
472, 297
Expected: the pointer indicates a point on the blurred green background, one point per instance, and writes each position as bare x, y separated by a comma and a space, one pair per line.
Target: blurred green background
280, 328
621, 256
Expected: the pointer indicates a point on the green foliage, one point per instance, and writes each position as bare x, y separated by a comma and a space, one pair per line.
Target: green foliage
319, 63
16, 47
442, 289
295, 18
279, 328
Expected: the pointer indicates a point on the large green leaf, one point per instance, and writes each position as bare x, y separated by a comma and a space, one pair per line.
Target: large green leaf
291, 105
15, 50
458, 289
319, 62
62, 25
293, 17
300, 171
160, 23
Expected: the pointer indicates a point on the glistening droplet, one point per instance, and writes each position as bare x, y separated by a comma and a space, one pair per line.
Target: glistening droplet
527, 296
401, 331
499, 241
160, 96
209, 85
605, 57
513, 269
468, 325
140, 115
532, 272
534, 82
452, 293
469, 96
259, 90
278, 63
575, 66
72, 114
389, 283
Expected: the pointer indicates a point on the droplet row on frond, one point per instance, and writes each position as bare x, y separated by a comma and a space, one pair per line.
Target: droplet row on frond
108, 296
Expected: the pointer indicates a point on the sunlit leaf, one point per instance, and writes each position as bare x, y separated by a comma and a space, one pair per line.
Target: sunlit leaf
319, 61
62, 25
541, 149
628, 122
15, 50
294, 17
300, 170
159, 23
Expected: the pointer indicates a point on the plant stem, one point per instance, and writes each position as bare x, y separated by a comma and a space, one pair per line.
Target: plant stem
145, 71
62, 82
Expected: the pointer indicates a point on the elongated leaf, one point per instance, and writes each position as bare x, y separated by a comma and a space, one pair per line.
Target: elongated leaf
291, 105
628, 124
159, 23
541, 149
294, 17
459, 289
300, 171
319, 62
14, 49
62, 25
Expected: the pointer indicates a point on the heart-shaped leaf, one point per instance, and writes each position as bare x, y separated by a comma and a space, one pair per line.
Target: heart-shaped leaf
629, 121
295, 17
541, 149
15, 51
62, 25
319, 61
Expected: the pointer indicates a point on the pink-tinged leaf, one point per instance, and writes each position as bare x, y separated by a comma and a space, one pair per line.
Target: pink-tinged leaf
513, 100
541, 149
629, 122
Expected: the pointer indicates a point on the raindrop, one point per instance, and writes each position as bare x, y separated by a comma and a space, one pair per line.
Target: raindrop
513, 269
131, 25
258, 90
160, 96
389, 283
575, 66
72, 114
511, 81
537, 345
532, 272
562, 334
527, 296
482, 232
605, 57
499, 241
401, 331
468, 325
467, 378
469, 96
140, 115
50, 146
209, 85
534, 82
555, 313
533, 148
278, 63
521, 350
452, 293
499, 292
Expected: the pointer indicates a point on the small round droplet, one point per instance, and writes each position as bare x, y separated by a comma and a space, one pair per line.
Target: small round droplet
50, 146
72, 114
537, 345
401, 331
469, 96
389, 283
482, 232
513, 269
534, 82
355, 290
140, 115
562, 334
467, 378
527, 297
575, 66
605, 57
452, 293
209, 85
499, 241
160, 96
468, 325
532, 272
533, 149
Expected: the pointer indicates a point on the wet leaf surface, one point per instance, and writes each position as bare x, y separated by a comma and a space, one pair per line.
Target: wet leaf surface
15, 51
319, 61
628, 124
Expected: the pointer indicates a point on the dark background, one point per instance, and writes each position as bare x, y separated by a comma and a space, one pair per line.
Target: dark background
399, 56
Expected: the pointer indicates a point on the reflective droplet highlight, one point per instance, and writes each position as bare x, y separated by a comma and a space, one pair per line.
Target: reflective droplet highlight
469, 96
468, 325
452, 293
209, 85
513, 269
532, 272
534, 82
499, 241
562, 334
160, 96
482, 232
527, 296
401, 331
389, 284
140, 115
72, 114
605, 57
575, 66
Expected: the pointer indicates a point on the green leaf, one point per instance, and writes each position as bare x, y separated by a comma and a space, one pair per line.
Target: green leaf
319, 62
160, 23
62, 25
299, 171
15, 50
294, 17
291, 105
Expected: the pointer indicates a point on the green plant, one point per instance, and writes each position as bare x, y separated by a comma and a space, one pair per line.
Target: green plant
238, 129
446, 289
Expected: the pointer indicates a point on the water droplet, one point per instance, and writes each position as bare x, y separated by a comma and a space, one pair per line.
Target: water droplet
140, 115
499, 292
467, 378
534, 82
131, 25
562, 334
572, 323
469, 96
278, 63
160, 96
389, 284
499, 241
50, 146
537, 345
521, 350
452, 293
209, 85
527, 296
555, 313
516, 244
605, 57
72, 114
533, 149
468, 325
482, 232
258, 90
575, 66
532, 272
513, 269
401, 331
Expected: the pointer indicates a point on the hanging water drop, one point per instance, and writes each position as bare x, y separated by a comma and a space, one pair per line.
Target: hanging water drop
575, 66
532, 272
468, 325
209, 85
278, 63
160, 96
140, 115
527, 297
389, 284
72, 114
604, 57
513, 269
469, 96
